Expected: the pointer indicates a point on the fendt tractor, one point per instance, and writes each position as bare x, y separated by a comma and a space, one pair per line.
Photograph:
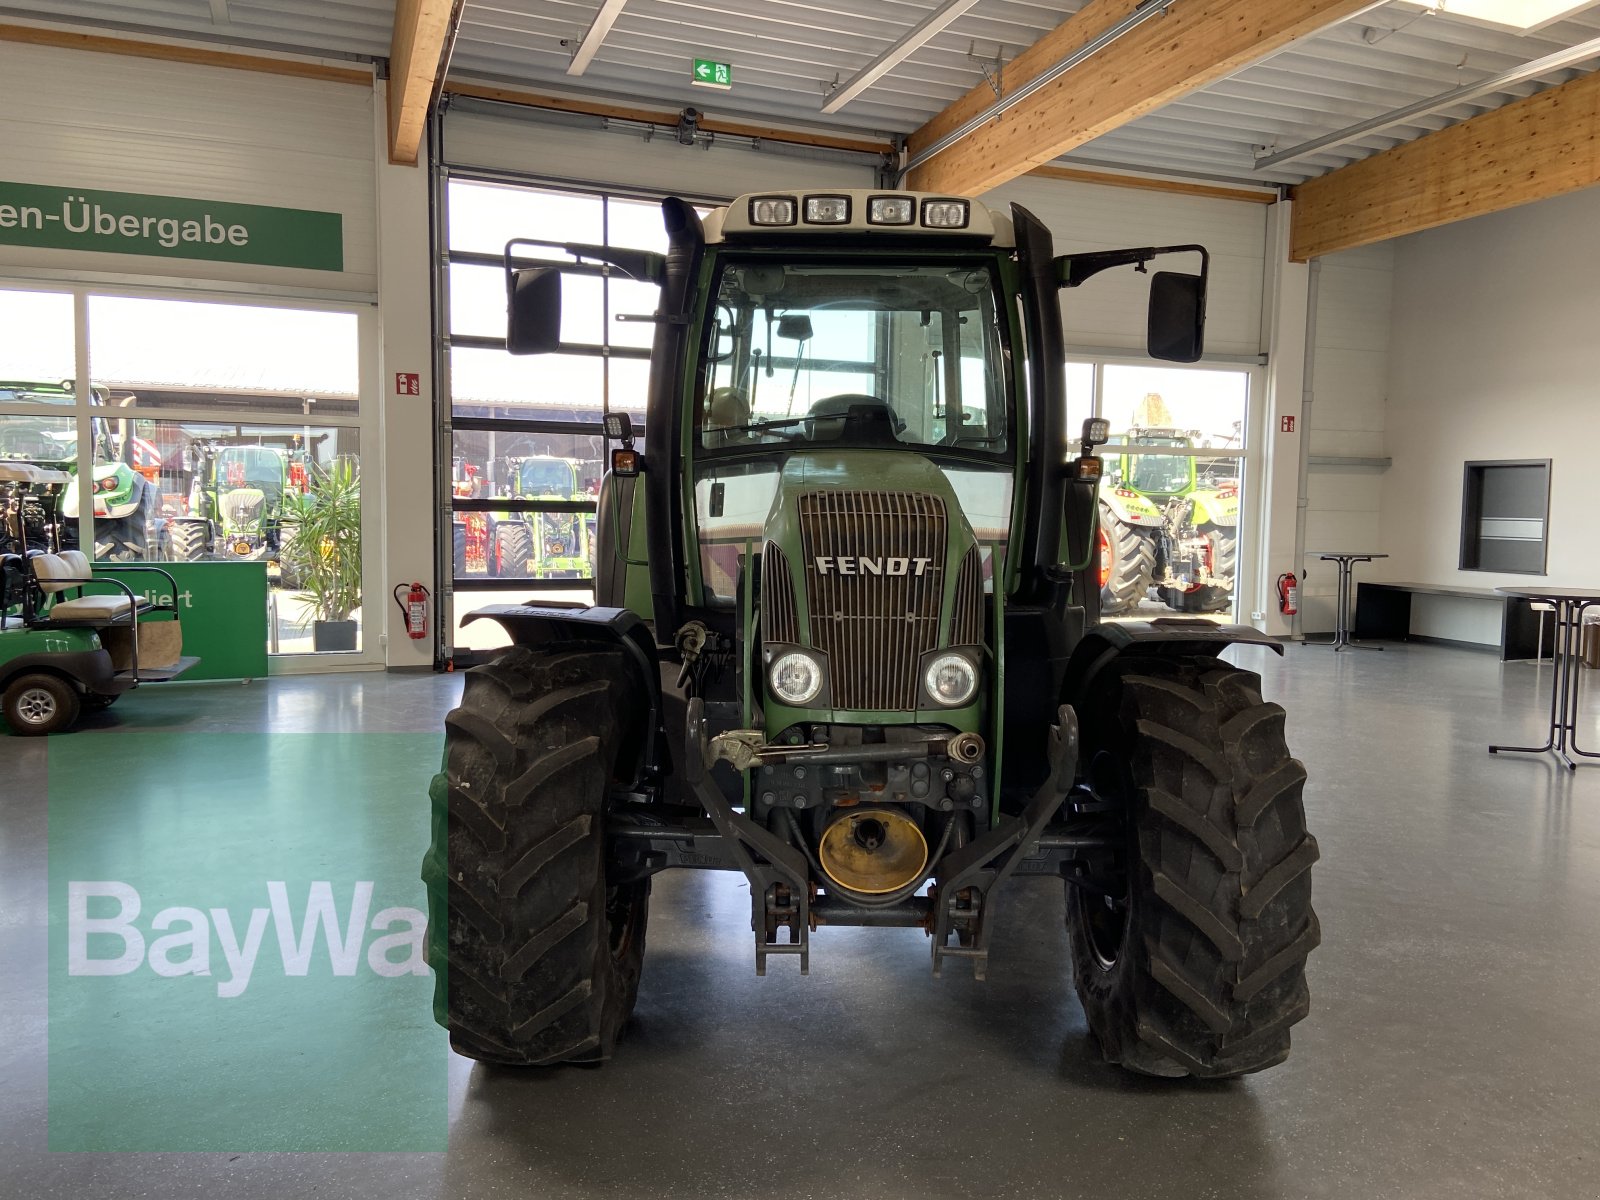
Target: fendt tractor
851, 649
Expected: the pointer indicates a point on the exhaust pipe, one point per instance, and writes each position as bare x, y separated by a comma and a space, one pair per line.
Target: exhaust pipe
965, 747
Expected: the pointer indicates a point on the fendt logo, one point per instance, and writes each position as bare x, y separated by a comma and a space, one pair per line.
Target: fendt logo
861, 564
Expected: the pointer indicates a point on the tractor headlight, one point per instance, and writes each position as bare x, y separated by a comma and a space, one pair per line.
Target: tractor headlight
827, 210
944, 214
772, 210
950, 680
891, 210
796, 678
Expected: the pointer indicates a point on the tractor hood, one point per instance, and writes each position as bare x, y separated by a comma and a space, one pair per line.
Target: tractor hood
870, 566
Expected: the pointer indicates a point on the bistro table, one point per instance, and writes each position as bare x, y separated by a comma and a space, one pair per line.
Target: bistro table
1566, 660
1342, 623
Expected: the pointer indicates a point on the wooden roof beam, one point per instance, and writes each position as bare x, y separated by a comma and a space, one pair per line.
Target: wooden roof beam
423, 31
1531, 149
1196, 42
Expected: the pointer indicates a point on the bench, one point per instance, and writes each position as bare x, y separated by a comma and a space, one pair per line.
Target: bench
1383, 611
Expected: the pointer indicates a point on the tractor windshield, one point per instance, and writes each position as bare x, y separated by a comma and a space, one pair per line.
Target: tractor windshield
250, 467
546, 477
854, 354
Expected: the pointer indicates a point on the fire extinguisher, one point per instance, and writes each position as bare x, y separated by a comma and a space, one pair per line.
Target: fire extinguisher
414, 608
1288, 595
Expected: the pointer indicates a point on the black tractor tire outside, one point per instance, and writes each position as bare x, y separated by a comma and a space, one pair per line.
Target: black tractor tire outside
513, 547
537, 960
1200, 969
459, 538
29, 696
122, 540
1132, 564
187, 540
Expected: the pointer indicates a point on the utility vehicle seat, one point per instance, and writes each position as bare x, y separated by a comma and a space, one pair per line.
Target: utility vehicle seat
58, 573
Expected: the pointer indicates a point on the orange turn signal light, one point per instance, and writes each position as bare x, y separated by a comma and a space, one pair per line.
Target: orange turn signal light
624, 461
1089, 467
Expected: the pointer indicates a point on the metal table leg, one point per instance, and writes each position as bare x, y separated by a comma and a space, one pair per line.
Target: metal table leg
1559, 705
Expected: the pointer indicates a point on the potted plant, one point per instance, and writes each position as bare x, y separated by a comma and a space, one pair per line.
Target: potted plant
322, 546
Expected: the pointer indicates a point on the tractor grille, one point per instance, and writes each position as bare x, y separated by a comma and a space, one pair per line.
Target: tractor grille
780, 619
243, 507
966, 623
877, 620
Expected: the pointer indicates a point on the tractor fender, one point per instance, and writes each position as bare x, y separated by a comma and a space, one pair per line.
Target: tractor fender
542, 625
1215, 509
1131, 508
1164, 636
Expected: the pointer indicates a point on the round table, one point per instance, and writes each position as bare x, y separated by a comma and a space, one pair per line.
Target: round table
1566, 662
1341, 631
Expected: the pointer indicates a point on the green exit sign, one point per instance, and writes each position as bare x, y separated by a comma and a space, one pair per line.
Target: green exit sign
712, 74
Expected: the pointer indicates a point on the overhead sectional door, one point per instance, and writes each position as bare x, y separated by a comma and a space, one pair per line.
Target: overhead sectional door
521, 448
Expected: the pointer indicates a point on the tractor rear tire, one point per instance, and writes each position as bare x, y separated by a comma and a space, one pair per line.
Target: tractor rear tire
121, 540
187, 540
459, 540
513, 547
1199, 967
1127, 564
537, 959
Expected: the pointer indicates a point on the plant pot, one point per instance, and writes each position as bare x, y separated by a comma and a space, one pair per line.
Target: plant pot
333, 635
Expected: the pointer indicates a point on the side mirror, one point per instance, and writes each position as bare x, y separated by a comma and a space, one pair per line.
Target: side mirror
1177, 321
533, 310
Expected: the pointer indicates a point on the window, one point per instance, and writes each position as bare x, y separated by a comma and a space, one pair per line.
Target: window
206, 423
1505, 516
1171, 497
526, 449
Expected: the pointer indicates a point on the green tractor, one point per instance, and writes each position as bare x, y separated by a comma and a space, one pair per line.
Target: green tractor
126, 501
847, 644
1163, 525
542, 545
236, 503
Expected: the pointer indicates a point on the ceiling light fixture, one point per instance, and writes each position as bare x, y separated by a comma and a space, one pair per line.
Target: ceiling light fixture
1522, 15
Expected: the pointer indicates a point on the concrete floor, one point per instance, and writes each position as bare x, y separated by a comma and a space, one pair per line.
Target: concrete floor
1453, 1048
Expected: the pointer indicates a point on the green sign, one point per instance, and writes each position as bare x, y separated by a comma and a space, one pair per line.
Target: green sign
712, 74
223, 609
62, 218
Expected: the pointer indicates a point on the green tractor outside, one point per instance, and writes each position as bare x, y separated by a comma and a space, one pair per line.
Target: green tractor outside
237, 503
543, 545
847, 643
1165, 525
125, 502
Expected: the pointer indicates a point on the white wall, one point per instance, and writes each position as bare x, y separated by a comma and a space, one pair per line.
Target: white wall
1110, 312
106, 121
1345, 418
1495, 356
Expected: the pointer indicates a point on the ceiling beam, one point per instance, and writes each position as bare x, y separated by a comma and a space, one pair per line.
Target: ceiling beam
423, 30
1531, 149
599, 29
919, 36
1194, 43
199, 56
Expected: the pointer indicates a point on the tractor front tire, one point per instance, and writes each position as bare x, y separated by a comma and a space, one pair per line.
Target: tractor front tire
1127, 564
537, 959
1198, 967
186, 540
512, 548
122, 540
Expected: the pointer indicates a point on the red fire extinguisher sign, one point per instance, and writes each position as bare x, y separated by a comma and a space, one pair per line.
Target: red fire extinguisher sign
414, 609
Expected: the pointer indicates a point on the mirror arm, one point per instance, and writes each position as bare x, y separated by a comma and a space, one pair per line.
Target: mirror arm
644, 266
1073, 270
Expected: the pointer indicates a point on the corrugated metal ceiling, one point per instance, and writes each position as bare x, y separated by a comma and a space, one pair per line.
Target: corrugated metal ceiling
786, 53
